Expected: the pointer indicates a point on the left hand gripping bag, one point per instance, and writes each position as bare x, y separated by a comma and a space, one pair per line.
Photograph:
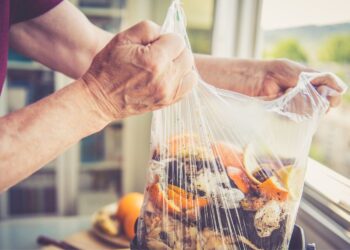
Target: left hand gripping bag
227, 170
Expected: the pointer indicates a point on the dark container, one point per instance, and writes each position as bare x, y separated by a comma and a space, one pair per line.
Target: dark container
297, 241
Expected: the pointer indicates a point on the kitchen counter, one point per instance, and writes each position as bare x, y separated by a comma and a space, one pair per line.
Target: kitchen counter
22, 233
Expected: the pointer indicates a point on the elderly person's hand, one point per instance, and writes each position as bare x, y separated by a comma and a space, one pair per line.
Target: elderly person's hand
140, 70
278, 76
264, 78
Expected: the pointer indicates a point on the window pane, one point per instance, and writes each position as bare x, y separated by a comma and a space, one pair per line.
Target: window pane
315, 33
200, 15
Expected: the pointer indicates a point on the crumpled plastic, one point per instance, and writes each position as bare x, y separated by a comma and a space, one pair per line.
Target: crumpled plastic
227, 170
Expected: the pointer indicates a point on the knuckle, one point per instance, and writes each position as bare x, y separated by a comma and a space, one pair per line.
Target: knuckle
152, 61
120, 37
148, 25
145, 23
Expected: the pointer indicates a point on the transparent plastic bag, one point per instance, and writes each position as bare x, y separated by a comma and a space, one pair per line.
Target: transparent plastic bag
227, 170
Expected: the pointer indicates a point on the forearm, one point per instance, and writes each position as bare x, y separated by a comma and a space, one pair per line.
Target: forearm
68, 47
35, 135
241, 73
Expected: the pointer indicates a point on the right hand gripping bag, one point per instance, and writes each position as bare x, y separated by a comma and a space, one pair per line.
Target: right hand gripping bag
227, 170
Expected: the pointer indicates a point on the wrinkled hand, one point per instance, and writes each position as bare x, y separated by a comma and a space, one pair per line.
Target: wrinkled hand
138, 71
278, 76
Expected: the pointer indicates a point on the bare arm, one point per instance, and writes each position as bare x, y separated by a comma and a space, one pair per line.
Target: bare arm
240, 75
31, 137
63, 39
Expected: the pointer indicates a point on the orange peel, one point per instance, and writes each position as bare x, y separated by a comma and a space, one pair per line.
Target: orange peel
239, 177
185, 200
272, 189
175, 199
157, 196
228, 154
178, 143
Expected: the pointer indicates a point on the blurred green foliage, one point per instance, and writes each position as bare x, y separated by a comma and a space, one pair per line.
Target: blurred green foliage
200, 15
287, 48
316, 152
346, 98
200, 40
341, 74
336, 49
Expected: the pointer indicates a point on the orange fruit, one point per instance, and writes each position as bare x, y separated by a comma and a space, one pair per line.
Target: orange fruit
272, 189
129, 204
129, 225
228, 154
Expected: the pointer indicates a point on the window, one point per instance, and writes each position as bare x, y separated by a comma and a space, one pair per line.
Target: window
199, 16
317, 34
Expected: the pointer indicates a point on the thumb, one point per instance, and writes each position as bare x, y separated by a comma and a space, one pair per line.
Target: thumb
144, 33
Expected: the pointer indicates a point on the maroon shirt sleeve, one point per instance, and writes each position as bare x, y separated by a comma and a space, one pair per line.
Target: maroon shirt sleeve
22, 10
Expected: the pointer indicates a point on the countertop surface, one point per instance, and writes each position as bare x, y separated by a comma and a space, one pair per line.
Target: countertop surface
22, 233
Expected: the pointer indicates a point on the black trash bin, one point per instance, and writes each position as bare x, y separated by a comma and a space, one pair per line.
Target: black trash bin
297, 241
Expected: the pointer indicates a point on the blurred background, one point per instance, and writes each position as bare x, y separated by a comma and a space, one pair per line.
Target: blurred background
105, 165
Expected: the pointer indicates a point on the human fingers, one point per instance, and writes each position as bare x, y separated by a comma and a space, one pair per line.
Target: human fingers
144, 33
185, 77
170, 45
334, 100
330, 80
186, 85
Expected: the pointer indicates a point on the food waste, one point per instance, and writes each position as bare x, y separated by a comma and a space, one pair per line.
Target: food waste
217, 196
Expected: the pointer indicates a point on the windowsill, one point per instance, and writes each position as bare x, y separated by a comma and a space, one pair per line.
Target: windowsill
331, 185
325, 207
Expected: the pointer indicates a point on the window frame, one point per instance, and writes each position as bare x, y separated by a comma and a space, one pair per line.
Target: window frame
236, 30
327, 218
